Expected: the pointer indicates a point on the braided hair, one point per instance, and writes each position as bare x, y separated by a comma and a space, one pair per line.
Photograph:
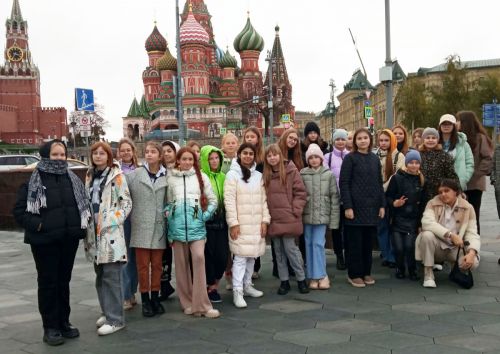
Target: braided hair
203, 197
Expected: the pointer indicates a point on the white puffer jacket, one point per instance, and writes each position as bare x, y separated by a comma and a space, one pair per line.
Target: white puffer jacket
246, 206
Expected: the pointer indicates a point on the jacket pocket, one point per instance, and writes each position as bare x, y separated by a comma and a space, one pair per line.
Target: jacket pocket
33, 223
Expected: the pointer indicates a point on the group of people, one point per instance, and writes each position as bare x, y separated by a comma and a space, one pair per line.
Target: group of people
209, 211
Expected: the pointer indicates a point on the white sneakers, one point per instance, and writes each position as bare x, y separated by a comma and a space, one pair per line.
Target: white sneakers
429, 281
238, 299
106, 329
100, 321
252, 292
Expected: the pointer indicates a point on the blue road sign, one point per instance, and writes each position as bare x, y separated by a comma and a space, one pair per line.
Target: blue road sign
489, 111
84, 99
367, 102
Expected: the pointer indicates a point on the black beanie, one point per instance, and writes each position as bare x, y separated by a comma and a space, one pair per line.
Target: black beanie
311, 127
45, 148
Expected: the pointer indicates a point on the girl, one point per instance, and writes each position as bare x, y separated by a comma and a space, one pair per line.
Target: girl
312, 135
286, 198
190, 203
196, 147
147, 187
128, 163
436, 164
333, 161
217, 246
482, 150
455, 144
404, 197
247, 216
105, 242
169, 149
290, 147
391, 161
229, 145
402, 138
54, 211
363, 197
321, 210
416, 138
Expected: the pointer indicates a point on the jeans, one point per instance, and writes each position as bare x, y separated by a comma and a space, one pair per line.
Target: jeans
314, 236
286, 250
54, 265
404, 247
384, 241
242, 271
108, 283
359, 250
129, 275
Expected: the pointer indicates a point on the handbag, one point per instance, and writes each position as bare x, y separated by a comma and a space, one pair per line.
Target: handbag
459, 276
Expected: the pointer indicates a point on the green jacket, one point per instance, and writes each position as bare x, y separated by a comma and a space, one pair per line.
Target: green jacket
463, 160
216, 178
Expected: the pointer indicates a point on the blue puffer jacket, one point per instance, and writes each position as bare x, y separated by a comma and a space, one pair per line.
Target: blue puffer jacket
186, 219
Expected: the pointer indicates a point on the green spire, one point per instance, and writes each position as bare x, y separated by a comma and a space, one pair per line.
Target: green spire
143, 108
248, 39
228, 61
135, 110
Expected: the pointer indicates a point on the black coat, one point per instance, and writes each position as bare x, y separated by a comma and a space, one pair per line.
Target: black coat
436, 165
60, 219
406, 218
361, 188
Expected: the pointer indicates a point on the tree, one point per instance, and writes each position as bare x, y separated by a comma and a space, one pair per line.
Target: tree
97, 122
412, 101
485, 91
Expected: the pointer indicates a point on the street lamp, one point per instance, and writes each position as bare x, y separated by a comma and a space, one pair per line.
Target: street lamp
270, 100
178, 79
332, 106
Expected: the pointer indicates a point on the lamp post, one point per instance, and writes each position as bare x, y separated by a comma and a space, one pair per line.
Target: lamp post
388, 64
270, 100
332, 106
178, 79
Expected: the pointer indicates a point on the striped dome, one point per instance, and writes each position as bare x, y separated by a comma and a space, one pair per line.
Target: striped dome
156, 42
228, 61
192, 32
248, 39
166, 62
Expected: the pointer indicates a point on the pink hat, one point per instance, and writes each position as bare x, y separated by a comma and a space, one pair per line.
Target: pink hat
314, 150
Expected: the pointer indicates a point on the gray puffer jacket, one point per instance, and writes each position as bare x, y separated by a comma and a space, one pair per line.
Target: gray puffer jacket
322, 207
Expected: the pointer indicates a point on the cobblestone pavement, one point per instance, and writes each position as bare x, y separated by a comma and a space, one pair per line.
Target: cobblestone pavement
393, 316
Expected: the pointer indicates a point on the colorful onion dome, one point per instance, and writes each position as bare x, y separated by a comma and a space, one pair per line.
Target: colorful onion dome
167, 62
228, 61
192, 32
156, 42
219, 53
248, 39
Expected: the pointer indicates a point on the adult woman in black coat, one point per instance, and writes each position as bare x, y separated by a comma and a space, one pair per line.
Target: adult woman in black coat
53, 210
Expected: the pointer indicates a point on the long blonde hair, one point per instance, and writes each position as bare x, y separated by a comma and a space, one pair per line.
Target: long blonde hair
135, 160
274, 149
226, 137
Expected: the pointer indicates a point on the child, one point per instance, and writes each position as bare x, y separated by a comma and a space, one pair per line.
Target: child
229, 146
286, 198
247, 216
404, 197
217, 246
147, 187
362, 194
416, 138
321, 210
105, 242
402, 138
195, 146
290, 147
190, 203
312, 135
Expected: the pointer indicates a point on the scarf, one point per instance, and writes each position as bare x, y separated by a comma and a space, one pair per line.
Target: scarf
98, 181
36, 190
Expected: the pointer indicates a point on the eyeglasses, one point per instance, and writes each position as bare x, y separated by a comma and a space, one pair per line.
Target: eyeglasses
293, 139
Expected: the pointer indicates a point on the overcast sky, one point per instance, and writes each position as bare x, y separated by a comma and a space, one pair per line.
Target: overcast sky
99, 44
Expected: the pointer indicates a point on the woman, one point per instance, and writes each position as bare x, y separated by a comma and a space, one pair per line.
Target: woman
105, 242
195, 146
416, 138
190, 203
127, 153
290, 147
455, 144
482, 150
247, 216
402, 138
448, 224
54, 211
312, 135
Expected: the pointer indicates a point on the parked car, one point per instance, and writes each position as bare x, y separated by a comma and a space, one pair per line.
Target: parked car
72, 164
12, 162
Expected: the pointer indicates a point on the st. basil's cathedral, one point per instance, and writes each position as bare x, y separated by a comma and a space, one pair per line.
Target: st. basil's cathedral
217, 93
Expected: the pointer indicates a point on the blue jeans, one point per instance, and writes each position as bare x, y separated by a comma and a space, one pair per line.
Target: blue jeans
314, 236
129, 271
384, 240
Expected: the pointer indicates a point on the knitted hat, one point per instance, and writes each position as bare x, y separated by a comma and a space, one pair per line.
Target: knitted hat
447, 118
314, 150
430, 131
45, 148
311, 127
339, 134
412, 155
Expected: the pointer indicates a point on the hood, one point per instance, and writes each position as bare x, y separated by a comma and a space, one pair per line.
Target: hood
205, 153
462, 138
235, 166
461, 203
311, 171
178, 173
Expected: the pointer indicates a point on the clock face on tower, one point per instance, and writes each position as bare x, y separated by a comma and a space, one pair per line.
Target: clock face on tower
15, 53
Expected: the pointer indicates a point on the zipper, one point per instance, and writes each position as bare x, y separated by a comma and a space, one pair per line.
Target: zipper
185, 209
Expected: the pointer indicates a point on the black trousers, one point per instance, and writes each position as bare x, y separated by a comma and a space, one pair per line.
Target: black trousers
216, 254
474, 197
54, 265
359, 245
167, 259
338, 235
403, 244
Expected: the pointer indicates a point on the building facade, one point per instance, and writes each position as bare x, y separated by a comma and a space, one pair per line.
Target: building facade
22, 119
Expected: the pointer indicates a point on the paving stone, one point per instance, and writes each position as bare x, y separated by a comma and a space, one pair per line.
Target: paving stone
430, 328
193, 347
461, 299
238, 337
291, 306
394, 298
8, 345
25, 317
433, 349
90, 302
270, 347
279, 324
353, 326
467, 318
359, 307
391, 340
492, 308
322, 315
492, 329
427, 308
311, 337
347, 348
391, 316
477, 342
13, 303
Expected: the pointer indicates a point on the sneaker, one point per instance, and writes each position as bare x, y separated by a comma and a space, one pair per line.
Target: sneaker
53, 337
109, 329
69, 331
213, 313
356, 282
127, 305
238, 299
429, 283
303, 289
214, 296
438, 267
324, 283
284, 288
368, 280
255, 275
100, 321
252, 292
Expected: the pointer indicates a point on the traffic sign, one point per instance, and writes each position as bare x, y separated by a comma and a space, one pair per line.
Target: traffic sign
489, 112
367, 102
285, 118
368, 112
223, 131
84, 99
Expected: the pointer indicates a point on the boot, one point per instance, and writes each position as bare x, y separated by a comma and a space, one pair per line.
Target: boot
69, 331
156, 306
52, 337
284, 288
147, 310
238, 299
303, 289
166, 288
400, 273
341, 262
413, 274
